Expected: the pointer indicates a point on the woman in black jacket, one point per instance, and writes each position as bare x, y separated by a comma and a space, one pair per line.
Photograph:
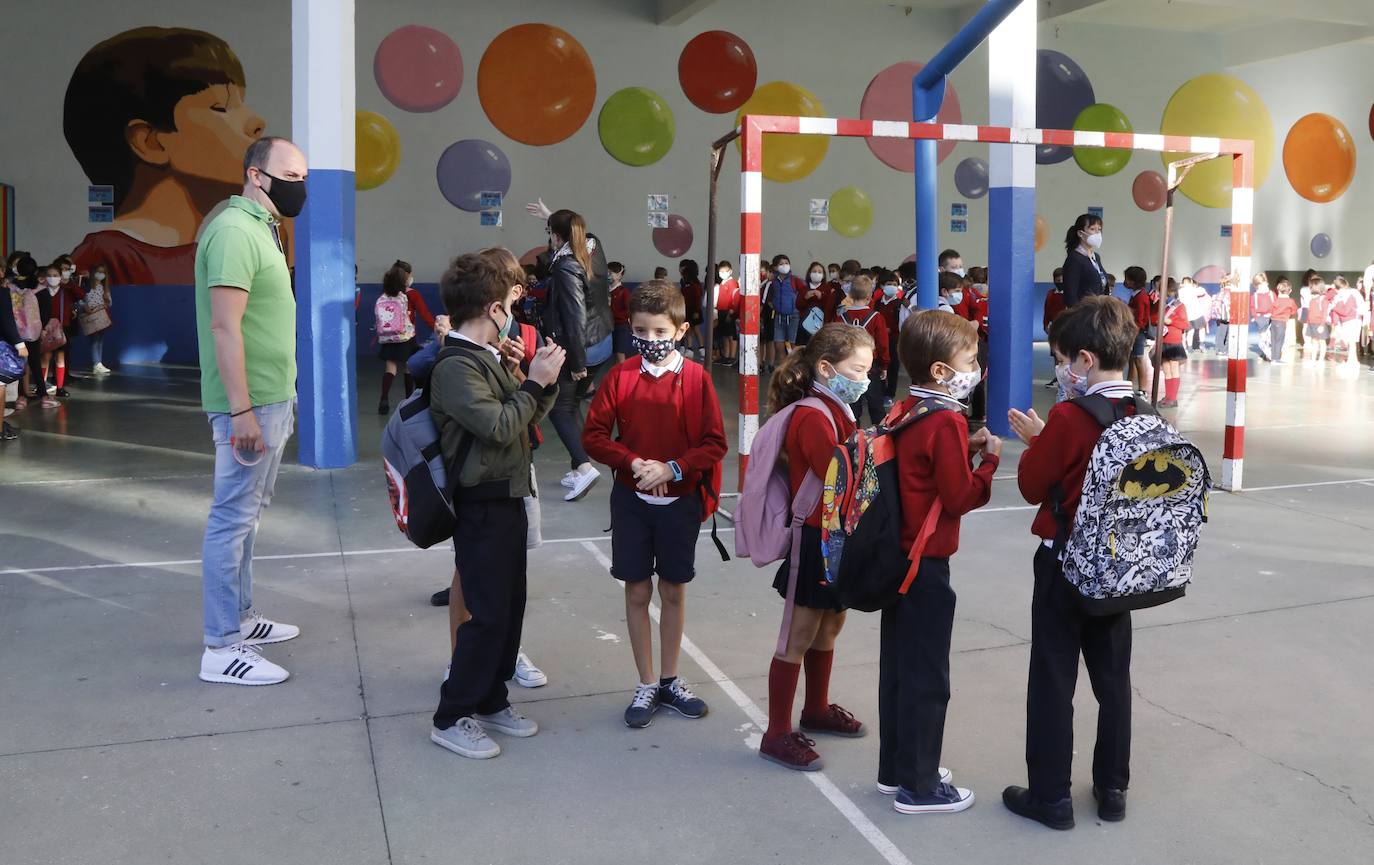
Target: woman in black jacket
1084, 275
578, 317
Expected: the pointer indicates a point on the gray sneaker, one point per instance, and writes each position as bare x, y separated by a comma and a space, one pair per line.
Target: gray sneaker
641, 711
508, 721
466, 738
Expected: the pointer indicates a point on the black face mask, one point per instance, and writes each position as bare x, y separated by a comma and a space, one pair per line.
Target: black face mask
288, 196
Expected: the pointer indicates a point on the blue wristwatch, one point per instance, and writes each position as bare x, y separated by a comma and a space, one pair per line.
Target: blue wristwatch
677, 470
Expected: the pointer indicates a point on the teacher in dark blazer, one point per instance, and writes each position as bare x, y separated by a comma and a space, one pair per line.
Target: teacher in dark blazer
1084, 275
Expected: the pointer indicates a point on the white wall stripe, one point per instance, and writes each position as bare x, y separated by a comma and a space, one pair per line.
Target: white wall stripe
751, 192
817, 125
891, 129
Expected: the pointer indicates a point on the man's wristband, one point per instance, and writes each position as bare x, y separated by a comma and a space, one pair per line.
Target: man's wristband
237, 413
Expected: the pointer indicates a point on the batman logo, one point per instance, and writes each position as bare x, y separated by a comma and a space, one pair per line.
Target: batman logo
1155, 475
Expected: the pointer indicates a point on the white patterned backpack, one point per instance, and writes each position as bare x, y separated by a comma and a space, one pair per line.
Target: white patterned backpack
1144, 502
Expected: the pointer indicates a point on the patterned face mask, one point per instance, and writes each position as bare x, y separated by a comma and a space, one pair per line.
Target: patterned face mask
845, 388
961, 383
1074, 385
655, 351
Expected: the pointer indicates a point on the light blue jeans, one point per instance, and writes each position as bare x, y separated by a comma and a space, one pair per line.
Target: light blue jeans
241, 492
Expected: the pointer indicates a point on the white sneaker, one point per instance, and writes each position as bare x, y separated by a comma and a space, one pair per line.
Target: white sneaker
466, 738
891, 789
239, 665
508, 721
569, 480
527, 675
100, 369
52, 389
259, 630
585, 479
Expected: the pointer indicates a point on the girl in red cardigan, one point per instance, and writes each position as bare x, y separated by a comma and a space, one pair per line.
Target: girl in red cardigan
1176, 324
833, 366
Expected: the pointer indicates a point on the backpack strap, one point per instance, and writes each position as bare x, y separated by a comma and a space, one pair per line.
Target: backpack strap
923, 408
874, 315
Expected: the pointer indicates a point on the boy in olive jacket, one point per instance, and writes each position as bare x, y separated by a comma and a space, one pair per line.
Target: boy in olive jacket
482, 408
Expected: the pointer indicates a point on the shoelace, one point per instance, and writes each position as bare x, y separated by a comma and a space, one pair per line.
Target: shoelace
680, 690
644, 696
472, 729
841, 713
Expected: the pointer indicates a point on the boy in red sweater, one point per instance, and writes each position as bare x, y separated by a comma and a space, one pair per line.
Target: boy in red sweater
1143, 313
974, 307
935, 469
857, 311
1281, 312
667, 445
1096, 335
890, 305
1054, 304
620, 311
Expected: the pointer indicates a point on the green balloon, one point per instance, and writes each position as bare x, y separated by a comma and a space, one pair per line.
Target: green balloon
636, 126
851, 211
1101, 161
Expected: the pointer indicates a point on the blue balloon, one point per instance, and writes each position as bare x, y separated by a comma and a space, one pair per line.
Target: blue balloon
1062, 91
470, 167
1320, 245
971, 177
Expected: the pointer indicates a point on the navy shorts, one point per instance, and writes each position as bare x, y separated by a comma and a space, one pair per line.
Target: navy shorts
648, 539
1139, 349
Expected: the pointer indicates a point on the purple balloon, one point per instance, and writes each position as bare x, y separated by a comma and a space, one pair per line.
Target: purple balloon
971, 177
1320, 245
470, 167
676, 239
1062, 91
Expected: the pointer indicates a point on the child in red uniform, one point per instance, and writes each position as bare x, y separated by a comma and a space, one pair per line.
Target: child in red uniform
1281, 312
858, 312
664, 448
890, 305
620, 311
727, 311
1143, 313
1176, 324
1054, 304
1096, 335
974, 307
816, 295
940, 353
834, 367
693, 292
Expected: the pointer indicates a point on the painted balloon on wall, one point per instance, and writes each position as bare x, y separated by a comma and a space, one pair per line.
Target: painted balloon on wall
1320, 245
636, 126
377, 150
1149, 190
888, 97
536, 83
851, 211
1042, 231
787, 157
418, 68
1319, 157
971, 177
1102, 161
676, 239
717, 71
470, 167
1219, 106
1062, 91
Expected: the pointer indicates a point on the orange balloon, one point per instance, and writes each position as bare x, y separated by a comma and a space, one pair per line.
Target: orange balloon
536, 84
1041, 231
1319, 158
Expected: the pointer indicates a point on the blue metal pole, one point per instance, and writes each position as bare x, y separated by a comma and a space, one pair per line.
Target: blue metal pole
927, 94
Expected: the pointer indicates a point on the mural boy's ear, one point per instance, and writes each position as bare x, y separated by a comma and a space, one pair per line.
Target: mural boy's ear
146, 143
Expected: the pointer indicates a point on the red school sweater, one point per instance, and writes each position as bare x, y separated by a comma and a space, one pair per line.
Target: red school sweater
620, 305
975, 309
1142, 309
891, 311
810, 443
651, 422
418, 307
1059, 455
933, 460
1284, 308
1054, 304
1175, 324
876, 325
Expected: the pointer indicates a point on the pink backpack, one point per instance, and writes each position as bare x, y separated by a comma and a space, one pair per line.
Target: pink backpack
768, 520
393, 319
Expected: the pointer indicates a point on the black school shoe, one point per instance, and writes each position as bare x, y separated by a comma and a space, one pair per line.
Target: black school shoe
1111, 804
440, 598
1056, 815
677, 696
8, 433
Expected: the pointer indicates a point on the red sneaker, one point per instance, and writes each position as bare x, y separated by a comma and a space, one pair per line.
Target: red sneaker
793, 751
836, 722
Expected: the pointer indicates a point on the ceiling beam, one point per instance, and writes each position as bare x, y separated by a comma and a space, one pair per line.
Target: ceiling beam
1050, 10
1261, 44
671, 13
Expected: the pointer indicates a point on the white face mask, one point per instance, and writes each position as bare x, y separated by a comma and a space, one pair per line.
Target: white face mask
961, 383
816, 278
723, 273
957, 271
98, 277
784, 269
955, 298
53, 281
1093, 241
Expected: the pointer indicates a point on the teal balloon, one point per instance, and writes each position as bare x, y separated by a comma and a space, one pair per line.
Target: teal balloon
1101, 161
636, 126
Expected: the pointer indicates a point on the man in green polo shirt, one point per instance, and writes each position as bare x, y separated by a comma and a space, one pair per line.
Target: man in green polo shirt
246, 323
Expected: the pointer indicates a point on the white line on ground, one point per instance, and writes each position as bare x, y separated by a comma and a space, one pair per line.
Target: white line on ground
864, 826
1308, 484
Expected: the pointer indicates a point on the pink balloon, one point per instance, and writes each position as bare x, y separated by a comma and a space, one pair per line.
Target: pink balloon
888, 97
418, 68
1209, 274
1148, 190
676, 239
529, 258
910, 258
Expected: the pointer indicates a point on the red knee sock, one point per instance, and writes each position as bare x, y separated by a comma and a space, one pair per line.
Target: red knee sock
782, 690
818, 665
387, 378
1171, 388
61, 375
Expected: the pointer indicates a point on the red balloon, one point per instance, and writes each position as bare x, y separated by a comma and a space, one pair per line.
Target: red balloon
676, 239
529, 258
1371, 121
1148, 190
717, 71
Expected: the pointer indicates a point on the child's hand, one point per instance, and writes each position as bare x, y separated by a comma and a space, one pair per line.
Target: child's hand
547, 363
512, 350
993, 446
882, 376
653, 475
442, 326
978, 440
1027, 425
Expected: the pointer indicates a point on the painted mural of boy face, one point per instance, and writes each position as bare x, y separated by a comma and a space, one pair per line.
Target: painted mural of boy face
213, 129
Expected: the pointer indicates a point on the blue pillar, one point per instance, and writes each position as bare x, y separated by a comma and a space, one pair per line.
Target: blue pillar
1011, 218
927, 94
322, 123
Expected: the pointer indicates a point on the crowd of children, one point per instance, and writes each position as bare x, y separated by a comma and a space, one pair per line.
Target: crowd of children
53, 306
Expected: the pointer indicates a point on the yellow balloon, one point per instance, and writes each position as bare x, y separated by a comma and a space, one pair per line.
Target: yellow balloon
787, 157
378, 150
1218, 106
851, 211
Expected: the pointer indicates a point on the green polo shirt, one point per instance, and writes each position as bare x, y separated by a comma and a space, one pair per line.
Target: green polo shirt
238, 249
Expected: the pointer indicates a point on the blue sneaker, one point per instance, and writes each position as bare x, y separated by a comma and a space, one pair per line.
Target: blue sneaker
677, 696
640, 714
944, 799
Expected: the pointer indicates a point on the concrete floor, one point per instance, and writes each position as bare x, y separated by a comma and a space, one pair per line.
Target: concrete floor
1252, 739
